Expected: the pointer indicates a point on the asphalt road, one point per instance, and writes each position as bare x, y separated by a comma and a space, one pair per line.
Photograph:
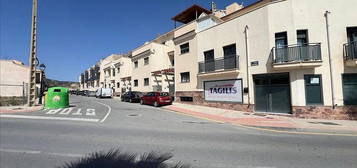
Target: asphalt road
51, 138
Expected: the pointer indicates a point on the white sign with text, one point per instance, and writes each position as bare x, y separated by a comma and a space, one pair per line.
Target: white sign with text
225, 90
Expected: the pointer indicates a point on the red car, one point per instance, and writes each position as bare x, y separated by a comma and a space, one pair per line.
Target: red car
156, 98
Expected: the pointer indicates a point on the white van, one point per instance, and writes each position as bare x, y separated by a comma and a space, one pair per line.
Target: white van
104, 92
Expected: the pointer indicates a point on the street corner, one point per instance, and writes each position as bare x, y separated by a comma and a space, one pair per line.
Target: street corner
77, 112
20, 109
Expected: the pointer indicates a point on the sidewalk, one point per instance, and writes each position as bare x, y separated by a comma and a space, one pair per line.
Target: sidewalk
19, 109
266, 120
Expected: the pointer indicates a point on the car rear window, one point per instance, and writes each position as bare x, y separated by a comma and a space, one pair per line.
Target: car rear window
164, 94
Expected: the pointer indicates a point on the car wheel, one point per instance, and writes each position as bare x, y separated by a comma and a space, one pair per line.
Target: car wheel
156, 104
142, 102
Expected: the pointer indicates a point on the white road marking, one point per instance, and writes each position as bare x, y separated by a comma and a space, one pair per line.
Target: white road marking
109, 110
53, 111
66, 111
48, 118
90, 112
39, 152
78, 112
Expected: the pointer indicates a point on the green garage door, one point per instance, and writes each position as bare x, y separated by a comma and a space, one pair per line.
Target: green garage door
349, 89
272, 93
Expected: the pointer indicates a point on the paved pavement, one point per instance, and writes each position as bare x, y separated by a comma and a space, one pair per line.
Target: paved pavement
38, 139
268, 121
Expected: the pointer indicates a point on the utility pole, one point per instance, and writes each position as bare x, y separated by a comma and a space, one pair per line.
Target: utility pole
32, 60
329, 57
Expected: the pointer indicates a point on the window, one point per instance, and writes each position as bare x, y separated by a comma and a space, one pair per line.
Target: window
136, 64
281, 51
302, 37
186, 99
209, 61
146, 61
281, 40
118, 84
229, 51
118, 70
351, 34
185, 48
136, 83
146, 81
185, 77
113, 71
313, 90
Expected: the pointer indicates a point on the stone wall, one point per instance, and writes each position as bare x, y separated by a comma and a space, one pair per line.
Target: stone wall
198, 99
308, 112
326, 112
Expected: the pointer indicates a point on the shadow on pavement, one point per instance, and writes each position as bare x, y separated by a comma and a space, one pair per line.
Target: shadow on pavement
116, 159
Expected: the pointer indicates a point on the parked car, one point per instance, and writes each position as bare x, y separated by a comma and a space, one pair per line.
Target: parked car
104, 92
91, 93
80, 92
156, 98
85, 92
131, 96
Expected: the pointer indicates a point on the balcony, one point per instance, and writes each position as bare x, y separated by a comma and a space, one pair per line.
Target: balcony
297, 56
350, 54
219, 66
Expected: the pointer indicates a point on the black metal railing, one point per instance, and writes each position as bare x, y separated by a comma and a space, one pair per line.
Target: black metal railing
226, 63
350, 50
297, 53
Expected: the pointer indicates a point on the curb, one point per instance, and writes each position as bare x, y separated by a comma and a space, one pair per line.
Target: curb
286, 130
33, 109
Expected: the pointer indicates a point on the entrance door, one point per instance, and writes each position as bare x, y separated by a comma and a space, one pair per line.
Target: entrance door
272, 93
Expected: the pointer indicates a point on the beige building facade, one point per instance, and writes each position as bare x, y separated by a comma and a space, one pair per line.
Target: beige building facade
282, 65
295, 57
14, 78
153, 65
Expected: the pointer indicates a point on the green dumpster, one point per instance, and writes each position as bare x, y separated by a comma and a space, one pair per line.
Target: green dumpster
57, 97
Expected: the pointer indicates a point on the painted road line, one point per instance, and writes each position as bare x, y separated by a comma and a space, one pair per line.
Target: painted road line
53, 111
39, 152
90, 112
109, 110
47, 118
78, 112
66, 111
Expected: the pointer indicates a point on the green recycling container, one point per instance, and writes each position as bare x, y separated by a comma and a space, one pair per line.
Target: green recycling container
57, 97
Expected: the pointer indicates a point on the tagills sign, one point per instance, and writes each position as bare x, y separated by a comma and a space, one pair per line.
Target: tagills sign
225, 90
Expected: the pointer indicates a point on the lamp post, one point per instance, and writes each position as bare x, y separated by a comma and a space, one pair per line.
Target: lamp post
42, 68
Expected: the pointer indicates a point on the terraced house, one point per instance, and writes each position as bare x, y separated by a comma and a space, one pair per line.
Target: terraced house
279, 56
153, 65
296, 57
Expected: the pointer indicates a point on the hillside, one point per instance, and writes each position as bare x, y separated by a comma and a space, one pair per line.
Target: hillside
68, 84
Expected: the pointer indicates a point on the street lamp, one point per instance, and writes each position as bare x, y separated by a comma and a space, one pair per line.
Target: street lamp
42, 68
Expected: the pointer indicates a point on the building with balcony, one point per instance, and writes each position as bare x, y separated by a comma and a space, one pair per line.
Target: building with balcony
108, 71
153, 65
275, 56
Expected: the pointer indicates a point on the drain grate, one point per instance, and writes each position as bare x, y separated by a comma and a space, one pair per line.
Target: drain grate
324, 123
133, 115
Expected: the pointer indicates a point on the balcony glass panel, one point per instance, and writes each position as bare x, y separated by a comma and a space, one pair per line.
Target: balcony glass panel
297, 53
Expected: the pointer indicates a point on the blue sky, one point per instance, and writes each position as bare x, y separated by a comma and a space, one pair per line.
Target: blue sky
75, 34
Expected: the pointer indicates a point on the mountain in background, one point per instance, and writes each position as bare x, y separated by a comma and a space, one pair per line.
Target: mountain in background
67, 84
